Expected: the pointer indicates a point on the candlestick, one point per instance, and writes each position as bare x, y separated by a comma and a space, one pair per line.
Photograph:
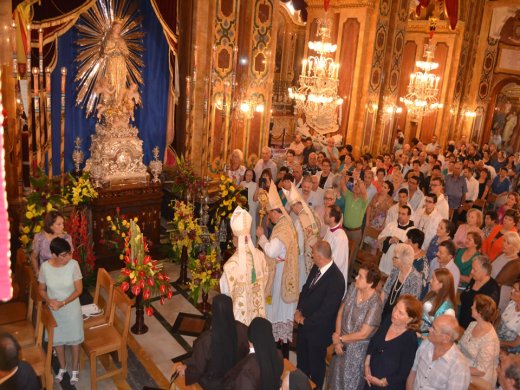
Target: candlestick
36, 96
40, 48
35, 80
48, 118
13, 47
62, 124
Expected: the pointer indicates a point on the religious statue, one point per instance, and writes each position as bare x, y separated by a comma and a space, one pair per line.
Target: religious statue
109, 76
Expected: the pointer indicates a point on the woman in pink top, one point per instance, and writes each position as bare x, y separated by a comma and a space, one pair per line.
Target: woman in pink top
474, 222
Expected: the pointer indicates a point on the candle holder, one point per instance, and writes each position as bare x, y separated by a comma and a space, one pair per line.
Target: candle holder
77, 155
156, 166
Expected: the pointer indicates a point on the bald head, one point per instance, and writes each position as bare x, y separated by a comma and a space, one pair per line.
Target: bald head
446, 325
321, 253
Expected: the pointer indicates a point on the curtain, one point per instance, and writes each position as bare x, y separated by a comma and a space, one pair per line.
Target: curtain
150, 119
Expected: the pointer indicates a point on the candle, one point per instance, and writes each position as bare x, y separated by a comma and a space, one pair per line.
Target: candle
40, 48
35, 80
304, 67
28, 43
48, 79
63, 79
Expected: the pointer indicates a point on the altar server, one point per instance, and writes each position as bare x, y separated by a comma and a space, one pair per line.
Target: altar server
337, 238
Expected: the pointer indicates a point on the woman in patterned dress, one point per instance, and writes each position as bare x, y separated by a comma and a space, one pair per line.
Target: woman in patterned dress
358, 318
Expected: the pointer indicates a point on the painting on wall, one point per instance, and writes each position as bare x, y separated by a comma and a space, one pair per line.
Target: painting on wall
505, 132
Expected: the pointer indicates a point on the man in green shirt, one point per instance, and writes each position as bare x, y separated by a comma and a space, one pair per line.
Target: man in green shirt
356, 202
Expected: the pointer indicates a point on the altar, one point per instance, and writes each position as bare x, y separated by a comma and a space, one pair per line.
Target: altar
134, 200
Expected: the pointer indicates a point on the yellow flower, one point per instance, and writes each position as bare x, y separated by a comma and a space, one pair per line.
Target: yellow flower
121, 257
135, 219
24, 239
37, 229
26, 229
49, 207
232, 188
113, 227
109, 218
123, 235
222, 177
29, 215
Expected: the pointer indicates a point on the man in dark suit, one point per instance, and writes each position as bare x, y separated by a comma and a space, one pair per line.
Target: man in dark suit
316, 312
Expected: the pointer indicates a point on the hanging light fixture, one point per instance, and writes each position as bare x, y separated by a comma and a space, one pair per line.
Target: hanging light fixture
422, 94
317, 96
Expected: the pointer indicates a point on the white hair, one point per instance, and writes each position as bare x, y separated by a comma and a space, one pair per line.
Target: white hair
404, 253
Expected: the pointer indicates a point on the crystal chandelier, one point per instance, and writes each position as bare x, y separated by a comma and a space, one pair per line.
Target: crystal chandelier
422, 94
317, 96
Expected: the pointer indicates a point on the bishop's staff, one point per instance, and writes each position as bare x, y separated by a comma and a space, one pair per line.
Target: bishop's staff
263, 200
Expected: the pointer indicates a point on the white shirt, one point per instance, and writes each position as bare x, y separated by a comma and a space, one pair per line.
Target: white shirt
393, 213
274, 248
428, 224
451, 266
261, 165
338, 241
416, 199
472, 185
324, 269
442, 206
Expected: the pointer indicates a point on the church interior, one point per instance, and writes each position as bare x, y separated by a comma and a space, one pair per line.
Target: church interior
141, 126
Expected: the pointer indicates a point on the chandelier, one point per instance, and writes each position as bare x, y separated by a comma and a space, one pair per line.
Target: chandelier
422, 94
317, 96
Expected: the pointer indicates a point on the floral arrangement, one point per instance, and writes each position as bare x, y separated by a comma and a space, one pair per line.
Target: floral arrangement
80, 191
46, 196
183, 177
77, 225
117, 231
205, 274
185, 230
142, 275
230, 196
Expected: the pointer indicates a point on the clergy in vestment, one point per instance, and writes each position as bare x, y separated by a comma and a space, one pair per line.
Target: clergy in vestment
281, 251
262, 368
245, 273
337, 238
310, 228
394, 233
217, 350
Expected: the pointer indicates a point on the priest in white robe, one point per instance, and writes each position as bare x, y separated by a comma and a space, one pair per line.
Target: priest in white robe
394, 233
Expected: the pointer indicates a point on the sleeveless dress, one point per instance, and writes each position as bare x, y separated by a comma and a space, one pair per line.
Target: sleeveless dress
60, 285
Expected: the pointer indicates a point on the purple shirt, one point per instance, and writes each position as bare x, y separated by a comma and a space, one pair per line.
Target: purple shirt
455, 188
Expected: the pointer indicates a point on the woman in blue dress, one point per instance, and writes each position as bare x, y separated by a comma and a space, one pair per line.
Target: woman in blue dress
439, 300
60, 286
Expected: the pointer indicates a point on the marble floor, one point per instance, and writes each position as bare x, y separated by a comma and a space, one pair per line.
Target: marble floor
171, 332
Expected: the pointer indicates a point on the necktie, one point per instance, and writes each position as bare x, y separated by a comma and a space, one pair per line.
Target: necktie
315, 279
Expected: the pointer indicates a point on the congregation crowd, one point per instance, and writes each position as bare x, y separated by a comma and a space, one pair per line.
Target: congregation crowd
435, 306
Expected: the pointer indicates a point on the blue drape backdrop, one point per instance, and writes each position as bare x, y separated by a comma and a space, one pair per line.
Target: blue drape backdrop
150, 119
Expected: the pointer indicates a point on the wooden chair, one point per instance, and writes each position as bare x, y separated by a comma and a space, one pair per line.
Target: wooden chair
367, 255
36, 356
25, 331
16, 309
103, 298
109, 338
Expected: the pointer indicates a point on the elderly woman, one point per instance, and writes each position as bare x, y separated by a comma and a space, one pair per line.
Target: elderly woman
415, 239
439, 300
473, 224
403, 279
358, 318
391, 351
509, 327
445, 231
481, 283
506, 267
480, 344
492, 245
53, 224
464, 256
235, 170
60, 285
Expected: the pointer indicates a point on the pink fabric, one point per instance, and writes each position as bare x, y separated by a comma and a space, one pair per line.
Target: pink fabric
6, 288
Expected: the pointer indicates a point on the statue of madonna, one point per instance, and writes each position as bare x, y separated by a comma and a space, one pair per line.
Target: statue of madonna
115, 49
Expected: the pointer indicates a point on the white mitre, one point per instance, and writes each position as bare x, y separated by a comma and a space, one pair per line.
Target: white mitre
241, 226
